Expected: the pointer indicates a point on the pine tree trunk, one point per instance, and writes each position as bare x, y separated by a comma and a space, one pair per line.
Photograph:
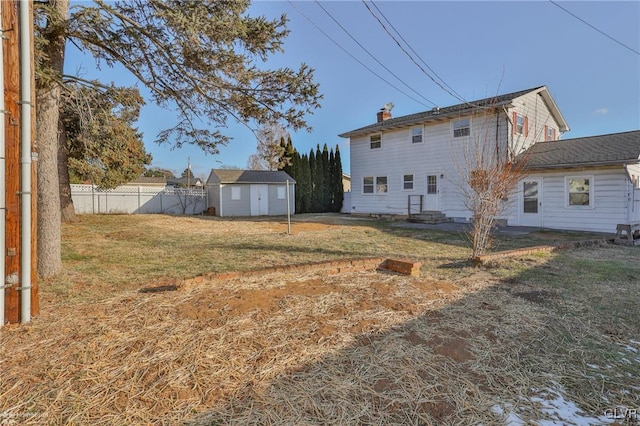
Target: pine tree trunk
67, 211
47, 120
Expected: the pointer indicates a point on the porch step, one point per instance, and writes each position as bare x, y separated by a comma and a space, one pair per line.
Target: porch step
430, 217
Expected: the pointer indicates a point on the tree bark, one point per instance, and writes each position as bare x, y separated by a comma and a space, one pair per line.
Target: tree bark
48, 115
67, 211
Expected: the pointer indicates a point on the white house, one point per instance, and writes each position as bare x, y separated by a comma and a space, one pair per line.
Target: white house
416, 163
250, 192
396, 161
588, 184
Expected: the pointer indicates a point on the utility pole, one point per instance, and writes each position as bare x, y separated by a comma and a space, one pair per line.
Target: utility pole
188, 172
18, 285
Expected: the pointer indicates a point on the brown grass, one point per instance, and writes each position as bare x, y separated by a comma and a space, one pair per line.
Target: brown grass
308, 348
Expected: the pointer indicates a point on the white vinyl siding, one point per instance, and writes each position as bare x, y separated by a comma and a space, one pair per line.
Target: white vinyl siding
610, 189
282, 194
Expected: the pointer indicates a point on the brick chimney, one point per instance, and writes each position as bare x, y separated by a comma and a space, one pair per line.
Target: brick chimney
383, 115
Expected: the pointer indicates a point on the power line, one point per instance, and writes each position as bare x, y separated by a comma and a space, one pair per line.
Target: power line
409, 55
373, 56
354, 58
457, 95
595, 28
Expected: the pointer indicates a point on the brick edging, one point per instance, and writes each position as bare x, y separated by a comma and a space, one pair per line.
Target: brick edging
330, 267
486, 258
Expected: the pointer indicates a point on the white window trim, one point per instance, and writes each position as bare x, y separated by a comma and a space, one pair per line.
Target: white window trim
402, 182
519, 116
375, 186
380, 136
421, 128
592, 182
453, 128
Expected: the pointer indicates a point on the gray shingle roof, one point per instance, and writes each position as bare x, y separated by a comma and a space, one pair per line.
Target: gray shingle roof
249, 176
611, 149
438, 114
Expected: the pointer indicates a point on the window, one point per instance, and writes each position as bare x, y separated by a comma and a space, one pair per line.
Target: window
281, 193
380, 186
432, 184
461, 128
235, 192
416, 135
530, 197
367, 185
407, 182
520, 124
375, 141
579, 191
550, 133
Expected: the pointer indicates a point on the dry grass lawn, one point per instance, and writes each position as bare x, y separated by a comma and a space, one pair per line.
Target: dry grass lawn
544, 338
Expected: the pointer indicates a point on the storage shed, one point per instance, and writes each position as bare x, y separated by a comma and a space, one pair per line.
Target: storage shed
250, 192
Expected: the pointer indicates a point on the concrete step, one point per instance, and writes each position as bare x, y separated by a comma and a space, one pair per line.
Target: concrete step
430, 217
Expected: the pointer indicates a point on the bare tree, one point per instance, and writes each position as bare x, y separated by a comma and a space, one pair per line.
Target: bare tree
490, 166
270, 150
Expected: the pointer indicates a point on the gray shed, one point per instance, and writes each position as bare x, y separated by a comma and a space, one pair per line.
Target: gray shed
250, 192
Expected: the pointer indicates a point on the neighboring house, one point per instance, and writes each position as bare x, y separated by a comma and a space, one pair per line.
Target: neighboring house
250, 192
148, 182
183, 182
397, 161
346, 182
588, 183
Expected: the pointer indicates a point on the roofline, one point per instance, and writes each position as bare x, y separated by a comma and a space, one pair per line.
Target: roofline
433, 118
543, 91
590, 164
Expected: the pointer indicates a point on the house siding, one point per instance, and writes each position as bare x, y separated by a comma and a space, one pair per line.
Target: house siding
439, 154
535, 109
241, 207
610, 201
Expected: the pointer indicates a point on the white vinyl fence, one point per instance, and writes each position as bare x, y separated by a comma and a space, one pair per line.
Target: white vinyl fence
87, 199
635, 214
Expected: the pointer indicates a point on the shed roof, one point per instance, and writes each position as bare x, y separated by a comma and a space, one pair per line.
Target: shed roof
437, 114
248, 176
610, 149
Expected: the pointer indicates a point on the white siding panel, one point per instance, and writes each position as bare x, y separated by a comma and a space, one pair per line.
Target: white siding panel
610, 201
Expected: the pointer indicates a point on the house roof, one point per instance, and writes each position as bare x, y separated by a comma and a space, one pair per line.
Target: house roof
438, 114
184, 181
611, 149
145, 180
249, 176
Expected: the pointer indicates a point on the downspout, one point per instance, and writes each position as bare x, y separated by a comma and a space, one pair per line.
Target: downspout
3, 189
25, 112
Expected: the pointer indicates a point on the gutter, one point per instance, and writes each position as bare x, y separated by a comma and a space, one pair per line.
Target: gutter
25, 113
577, 165
3, 189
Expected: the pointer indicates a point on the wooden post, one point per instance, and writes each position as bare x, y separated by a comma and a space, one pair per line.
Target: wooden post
11, 65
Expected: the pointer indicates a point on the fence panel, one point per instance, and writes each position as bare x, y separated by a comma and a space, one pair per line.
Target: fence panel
635, 215
87, 199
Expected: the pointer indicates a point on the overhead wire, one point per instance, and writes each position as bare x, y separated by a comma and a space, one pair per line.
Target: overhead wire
373, 56
457, 95
354, 58
410, 56
595, 28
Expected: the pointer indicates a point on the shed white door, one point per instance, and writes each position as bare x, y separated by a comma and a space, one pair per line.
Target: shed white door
432, 199
531, 202
259, 200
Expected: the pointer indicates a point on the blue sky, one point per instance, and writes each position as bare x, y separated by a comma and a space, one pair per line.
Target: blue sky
478, 48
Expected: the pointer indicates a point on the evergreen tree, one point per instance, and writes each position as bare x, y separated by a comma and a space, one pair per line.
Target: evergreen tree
313, 173
325, 200
337, 179
307, 186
